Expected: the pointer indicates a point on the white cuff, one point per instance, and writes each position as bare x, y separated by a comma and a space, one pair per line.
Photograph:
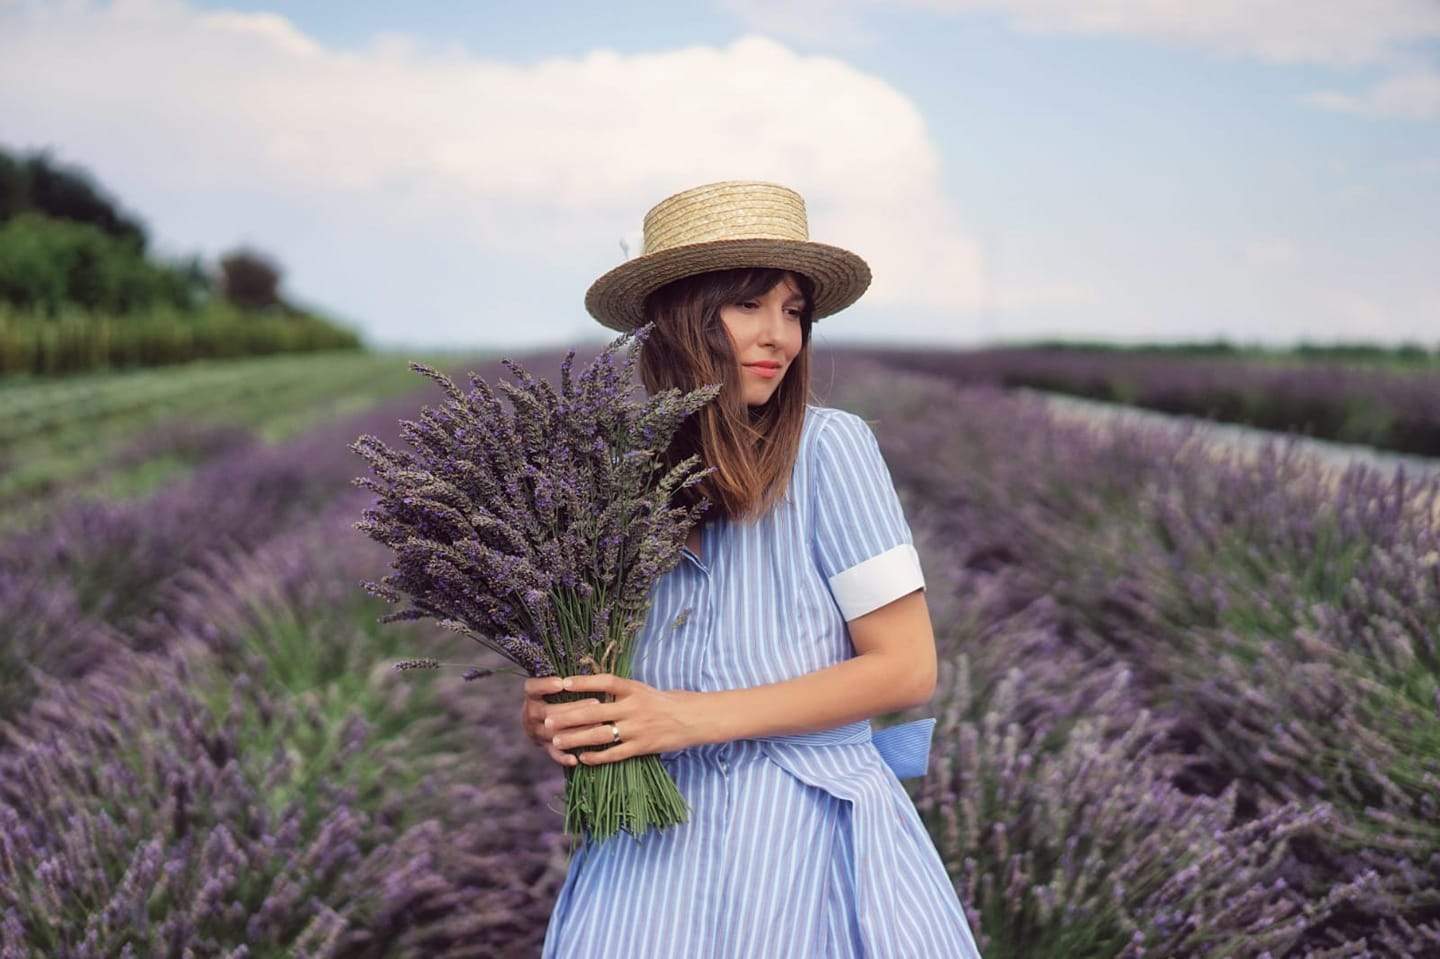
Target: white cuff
878, 580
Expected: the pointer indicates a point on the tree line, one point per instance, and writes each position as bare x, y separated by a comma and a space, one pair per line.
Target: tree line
80, 287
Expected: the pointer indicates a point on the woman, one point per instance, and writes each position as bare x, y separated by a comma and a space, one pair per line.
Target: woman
797, 613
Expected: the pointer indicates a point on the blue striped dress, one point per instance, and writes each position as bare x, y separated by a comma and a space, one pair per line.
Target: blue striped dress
800, 845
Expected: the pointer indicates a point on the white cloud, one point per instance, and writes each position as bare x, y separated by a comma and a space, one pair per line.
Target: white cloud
1329, 33
544, 160
269, 28
1270, 252
1413, 95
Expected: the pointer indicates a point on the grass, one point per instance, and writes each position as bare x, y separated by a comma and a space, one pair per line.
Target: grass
61, 437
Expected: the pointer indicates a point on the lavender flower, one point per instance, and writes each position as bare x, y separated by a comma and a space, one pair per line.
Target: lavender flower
539, 532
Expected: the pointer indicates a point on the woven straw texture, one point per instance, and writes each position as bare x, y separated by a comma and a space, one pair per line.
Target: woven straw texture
720, 226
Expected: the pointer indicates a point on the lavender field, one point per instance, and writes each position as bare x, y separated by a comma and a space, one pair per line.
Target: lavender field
1390, 406
1189, 705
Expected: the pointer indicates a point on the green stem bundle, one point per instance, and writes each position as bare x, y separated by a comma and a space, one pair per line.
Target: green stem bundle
633, 794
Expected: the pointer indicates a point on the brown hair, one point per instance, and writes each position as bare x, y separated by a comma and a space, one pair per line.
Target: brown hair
753, 450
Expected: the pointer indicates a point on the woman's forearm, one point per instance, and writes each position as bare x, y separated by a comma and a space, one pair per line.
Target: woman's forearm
860, 687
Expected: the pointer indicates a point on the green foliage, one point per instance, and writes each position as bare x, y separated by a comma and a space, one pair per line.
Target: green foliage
82, 294
122, 434
324, 661
75, 340
48, 264
249, 279
36, 183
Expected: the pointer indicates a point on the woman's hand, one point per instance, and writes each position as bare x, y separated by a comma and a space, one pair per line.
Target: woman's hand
650, 720
532, 715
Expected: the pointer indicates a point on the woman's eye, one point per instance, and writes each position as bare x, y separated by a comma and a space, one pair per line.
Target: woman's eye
752, 303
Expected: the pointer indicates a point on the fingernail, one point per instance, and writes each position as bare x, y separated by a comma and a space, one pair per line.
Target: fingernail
555, 741
567, 682
549, 724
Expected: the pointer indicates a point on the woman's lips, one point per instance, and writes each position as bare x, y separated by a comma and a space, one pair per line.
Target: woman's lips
768, 372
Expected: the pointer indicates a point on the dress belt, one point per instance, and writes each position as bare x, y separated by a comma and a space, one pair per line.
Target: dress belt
904, 747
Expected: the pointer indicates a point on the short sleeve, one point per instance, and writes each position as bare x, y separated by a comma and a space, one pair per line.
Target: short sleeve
862, 542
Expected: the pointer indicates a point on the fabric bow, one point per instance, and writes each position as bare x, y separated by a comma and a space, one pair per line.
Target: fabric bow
906, 747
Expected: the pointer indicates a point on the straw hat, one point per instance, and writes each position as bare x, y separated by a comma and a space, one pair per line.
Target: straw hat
720, 226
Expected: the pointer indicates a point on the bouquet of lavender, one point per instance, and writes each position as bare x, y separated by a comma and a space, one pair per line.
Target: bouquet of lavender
539, 534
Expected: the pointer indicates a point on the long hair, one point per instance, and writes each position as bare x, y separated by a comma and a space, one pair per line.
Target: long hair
753, 450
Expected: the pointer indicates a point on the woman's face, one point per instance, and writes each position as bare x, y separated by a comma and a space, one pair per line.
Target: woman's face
764, 331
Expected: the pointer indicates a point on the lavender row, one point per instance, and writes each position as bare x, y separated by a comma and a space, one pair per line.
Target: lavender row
1278, 633
280, 789
263, 783
86, 580
1390, 409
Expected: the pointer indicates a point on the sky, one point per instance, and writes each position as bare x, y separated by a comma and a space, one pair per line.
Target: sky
451, 176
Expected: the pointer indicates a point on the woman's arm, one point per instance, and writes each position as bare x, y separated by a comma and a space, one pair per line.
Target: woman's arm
894, 669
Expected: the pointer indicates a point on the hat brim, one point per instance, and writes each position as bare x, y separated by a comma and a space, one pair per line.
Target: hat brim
617, 299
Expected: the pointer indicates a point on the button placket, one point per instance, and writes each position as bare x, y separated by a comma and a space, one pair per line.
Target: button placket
702, 620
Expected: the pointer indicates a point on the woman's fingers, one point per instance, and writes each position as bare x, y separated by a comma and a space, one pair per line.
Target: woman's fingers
533, 722
581, 723
590, 733
534, 705
562, 716
573, 723
561, 756
596, 735
535, 687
